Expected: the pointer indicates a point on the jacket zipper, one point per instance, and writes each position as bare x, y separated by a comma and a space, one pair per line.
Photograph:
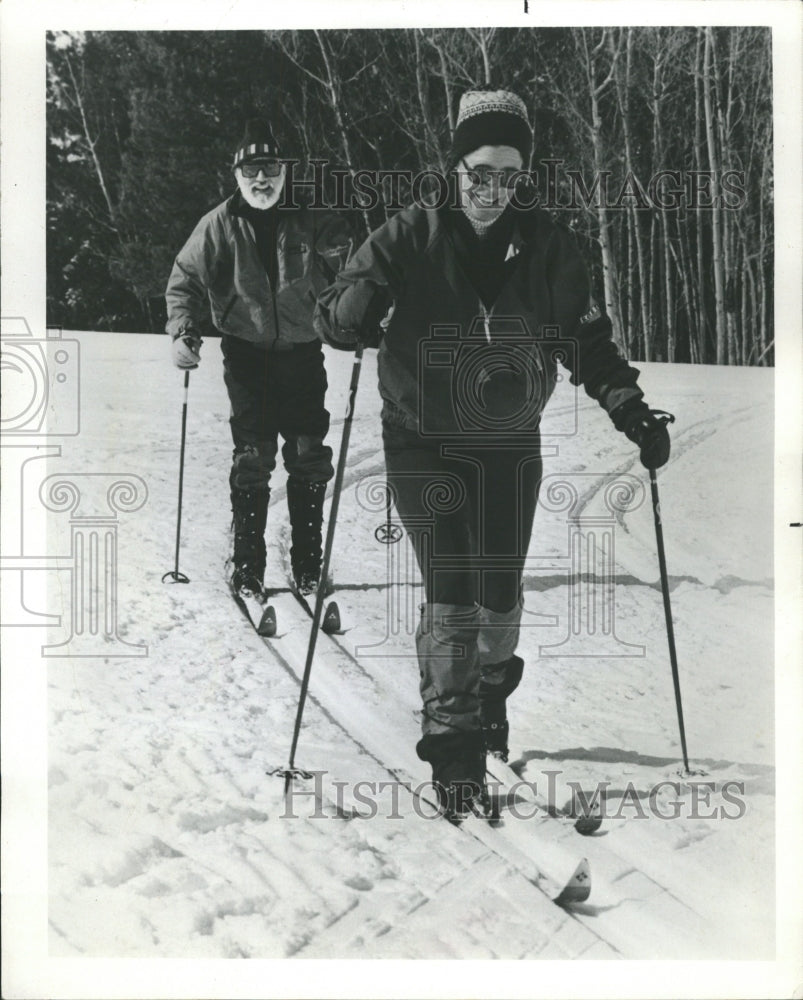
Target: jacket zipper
486, 319
487, 316
277, 338
273, 292
275, 316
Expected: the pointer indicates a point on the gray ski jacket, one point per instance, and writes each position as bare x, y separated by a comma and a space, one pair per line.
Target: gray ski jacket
219, 270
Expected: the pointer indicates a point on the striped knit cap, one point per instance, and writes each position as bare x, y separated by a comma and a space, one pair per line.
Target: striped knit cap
491, 118
258, 141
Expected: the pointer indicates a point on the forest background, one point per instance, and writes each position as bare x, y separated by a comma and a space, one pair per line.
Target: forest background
654, 145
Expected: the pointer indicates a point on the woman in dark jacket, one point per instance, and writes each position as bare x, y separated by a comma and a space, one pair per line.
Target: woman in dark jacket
478, 301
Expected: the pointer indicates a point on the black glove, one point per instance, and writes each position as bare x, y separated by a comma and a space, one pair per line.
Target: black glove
647, 429
373, 302
369, 338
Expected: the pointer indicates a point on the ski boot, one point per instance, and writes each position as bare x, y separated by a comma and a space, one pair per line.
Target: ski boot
305, 506
497, 683
458, 773
245, 582
250, 515
305, 583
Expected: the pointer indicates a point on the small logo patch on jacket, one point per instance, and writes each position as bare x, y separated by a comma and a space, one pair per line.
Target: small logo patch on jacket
592, 314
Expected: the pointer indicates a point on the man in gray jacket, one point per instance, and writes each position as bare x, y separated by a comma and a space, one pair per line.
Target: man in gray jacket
258, 267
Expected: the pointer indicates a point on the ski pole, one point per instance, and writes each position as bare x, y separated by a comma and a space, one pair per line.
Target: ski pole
291, 771
173, 575
670, 632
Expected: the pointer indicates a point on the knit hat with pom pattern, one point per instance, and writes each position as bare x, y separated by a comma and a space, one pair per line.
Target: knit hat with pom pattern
257, 142
491, 118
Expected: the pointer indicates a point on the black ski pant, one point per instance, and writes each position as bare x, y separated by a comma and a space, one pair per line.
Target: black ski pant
468, 509
272, 394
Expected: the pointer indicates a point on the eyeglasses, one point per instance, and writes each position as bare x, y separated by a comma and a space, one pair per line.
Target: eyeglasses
483, 176
270, 168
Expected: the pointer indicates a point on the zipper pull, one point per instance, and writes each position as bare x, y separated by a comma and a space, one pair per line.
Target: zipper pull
486, 322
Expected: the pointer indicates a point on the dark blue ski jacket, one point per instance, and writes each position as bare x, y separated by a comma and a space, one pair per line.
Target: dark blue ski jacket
449, 362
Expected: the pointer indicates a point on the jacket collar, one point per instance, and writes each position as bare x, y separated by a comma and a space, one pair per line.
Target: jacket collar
456, 230
235, 203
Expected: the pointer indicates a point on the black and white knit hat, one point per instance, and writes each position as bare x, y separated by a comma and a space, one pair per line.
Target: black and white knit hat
257, 141
491, 118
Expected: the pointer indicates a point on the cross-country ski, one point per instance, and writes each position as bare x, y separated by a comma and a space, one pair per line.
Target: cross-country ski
222, 717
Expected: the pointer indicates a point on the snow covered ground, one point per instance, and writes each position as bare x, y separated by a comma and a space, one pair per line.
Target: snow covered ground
166, 837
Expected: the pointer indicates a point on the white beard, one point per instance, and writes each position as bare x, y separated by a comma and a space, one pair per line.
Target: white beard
258, 193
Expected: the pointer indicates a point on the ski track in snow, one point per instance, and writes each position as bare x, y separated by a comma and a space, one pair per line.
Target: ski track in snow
168, 839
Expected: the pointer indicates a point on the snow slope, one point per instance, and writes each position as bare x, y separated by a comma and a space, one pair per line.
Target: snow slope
166, 836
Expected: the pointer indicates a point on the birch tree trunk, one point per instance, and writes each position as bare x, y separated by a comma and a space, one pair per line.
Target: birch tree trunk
666, 256
623, 97
716, 234
692, 293
699, 118
484, 38
91, 145
446, 77
432, 145
609, 275
724, 107
763, 297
